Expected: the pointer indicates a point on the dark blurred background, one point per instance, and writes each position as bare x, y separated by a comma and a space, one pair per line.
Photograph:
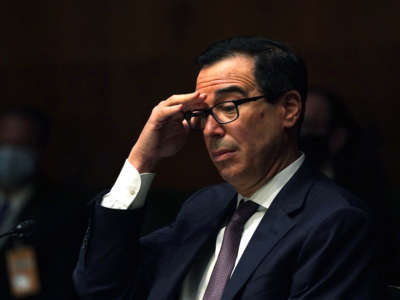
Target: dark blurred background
97, 68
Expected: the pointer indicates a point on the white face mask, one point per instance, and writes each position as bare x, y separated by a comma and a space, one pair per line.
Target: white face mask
17, 164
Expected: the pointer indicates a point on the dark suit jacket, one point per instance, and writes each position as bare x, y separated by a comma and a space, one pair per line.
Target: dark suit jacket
314, 242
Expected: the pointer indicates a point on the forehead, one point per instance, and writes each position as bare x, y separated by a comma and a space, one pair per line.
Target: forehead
232, 71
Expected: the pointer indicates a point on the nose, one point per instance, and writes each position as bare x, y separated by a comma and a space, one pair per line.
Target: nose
212, 127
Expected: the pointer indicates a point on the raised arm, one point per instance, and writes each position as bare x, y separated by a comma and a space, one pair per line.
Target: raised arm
112, 264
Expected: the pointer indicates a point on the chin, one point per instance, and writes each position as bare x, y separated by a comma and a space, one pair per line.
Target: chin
230, 174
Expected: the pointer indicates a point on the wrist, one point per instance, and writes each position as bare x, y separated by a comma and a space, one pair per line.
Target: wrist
142, 163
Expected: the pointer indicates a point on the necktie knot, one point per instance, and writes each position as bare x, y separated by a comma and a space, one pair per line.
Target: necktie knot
244, 211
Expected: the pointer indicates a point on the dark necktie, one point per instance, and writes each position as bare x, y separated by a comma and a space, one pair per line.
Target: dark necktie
229, 249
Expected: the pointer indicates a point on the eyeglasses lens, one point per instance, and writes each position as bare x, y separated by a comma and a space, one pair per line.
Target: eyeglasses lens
225, 112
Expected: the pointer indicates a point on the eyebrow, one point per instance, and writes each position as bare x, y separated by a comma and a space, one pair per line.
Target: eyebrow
230, 89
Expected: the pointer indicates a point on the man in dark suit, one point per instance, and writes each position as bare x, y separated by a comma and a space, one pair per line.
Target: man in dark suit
303, 238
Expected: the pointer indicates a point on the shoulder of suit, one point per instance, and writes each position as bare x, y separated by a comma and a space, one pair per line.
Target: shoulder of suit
211, 196
327, 193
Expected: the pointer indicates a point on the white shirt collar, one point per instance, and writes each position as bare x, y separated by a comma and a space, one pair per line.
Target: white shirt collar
267, 193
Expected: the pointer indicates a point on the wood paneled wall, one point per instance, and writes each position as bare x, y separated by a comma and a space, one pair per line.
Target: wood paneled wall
98, 67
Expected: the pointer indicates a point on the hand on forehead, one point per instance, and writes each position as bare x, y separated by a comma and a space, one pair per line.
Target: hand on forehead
191, 101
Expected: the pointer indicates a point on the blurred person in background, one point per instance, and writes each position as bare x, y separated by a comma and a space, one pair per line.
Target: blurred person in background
332, 138
336, 144
47, 259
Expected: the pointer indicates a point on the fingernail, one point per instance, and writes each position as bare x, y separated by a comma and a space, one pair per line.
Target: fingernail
203, 95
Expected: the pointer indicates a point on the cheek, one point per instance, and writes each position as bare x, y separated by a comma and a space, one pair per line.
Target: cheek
262, 135
259, 129
253, 142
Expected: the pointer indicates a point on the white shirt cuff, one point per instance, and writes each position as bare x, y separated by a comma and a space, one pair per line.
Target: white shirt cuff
130, 189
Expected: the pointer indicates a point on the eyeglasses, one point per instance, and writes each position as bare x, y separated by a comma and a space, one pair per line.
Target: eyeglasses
224, 112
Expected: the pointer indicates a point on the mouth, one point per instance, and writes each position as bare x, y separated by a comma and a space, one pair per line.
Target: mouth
222, 154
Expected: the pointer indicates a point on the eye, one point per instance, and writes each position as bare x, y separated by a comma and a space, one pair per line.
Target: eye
226, 108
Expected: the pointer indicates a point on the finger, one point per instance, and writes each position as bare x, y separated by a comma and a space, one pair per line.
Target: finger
194, 106
186, 126
169, 112
195, 97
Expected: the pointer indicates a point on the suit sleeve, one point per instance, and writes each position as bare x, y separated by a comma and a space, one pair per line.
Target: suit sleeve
112, 263
337, 260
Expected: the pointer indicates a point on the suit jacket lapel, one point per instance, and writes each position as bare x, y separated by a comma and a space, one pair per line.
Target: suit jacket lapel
274, 225
192, 233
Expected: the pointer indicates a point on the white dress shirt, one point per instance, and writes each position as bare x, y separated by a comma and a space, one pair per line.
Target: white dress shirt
130, 190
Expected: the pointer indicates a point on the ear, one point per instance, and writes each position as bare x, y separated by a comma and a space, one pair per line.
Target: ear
292, 106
